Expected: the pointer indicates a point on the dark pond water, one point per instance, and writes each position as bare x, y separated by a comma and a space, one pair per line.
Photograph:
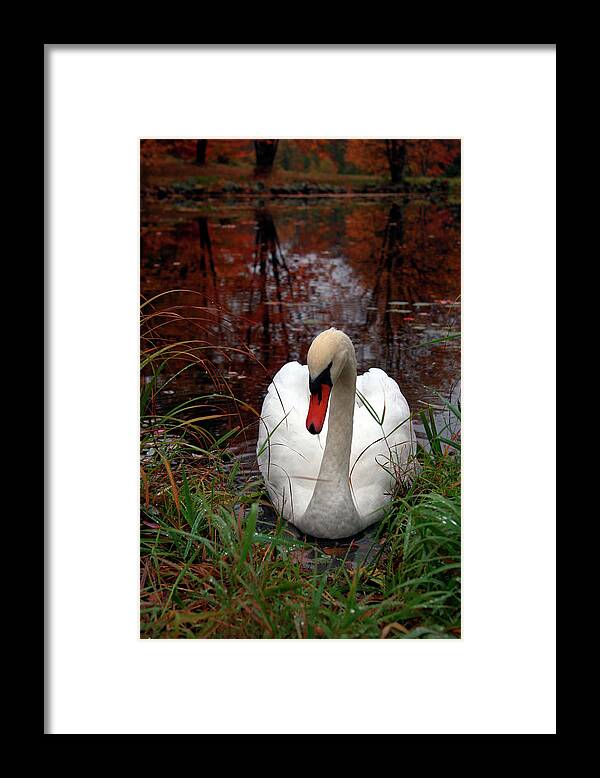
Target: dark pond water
265, 277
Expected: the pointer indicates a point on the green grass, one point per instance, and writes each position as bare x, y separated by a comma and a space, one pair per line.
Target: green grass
211, 568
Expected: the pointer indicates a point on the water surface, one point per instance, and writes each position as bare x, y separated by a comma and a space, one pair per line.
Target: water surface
387, 271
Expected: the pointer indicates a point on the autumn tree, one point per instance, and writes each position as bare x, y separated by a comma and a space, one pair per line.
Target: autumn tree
201, 152
379, 156
401, 157
265, 156
431, 157
221, 151
370, 156
304, 154
396, 156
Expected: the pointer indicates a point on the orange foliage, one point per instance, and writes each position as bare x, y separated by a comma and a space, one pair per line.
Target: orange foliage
228, 151
431, 157
154, 151
424, 157
367, 155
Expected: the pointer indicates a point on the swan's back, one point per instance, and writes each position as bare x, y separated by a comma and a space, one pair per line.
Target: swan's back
382, 441
290, 457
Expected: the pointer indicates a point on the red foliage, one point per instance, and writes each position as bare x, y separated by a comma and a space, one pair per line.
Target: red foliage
424, 157
155, 151
431, 157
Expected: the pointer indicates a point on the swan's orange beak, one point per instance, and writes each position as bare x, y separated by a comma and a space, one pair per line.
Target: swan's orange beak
317, 409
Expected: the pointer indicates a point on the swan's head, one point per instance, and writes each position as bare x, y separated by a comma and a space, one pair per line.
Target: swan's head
327, 357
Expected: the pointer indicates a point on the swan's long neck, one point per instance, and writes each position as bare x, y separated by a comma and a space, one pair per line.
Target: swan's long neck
331, 512
336, 457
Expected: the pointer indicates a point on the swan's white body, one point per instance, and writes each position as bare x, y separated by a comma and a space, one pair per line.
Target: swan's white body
336, 483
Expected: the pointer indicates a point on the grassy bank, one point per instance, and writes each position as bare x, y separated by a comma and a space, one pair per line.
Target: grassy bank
207, 571
212, 566
177, 179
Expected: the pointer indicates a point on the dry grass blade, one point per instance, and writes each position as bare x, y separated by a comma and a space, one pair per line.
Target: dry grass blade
394, 625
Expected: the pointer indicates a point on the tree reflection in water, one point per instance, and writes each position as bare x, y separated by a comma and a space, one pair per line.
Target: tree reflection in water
387, 271
210, 288
391, 259
269, 260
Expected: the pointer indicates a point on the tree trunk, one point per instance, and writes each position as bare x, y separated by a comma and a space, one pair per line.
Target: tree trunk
201, 152
265, 156
396, 154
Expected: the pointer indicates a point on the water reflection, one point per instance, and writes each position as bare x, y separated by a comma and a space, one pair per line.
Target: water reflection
277, 273
206, 255
390, 261
269, 262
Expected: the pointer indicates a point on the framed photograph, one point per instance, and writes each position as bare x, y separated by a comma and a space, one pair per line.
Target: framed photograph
259, 341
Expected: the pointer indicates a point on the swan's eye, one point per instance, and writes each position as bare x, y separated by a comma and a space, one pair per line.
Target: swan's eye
322, 378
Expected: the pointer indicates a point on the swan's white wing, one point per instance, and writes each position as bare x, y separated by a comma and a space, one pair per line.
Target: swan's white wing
289, 457
382, 446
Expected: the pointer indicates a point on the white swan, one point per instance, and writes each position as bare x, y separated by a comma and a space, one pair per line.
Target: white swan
336, 488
